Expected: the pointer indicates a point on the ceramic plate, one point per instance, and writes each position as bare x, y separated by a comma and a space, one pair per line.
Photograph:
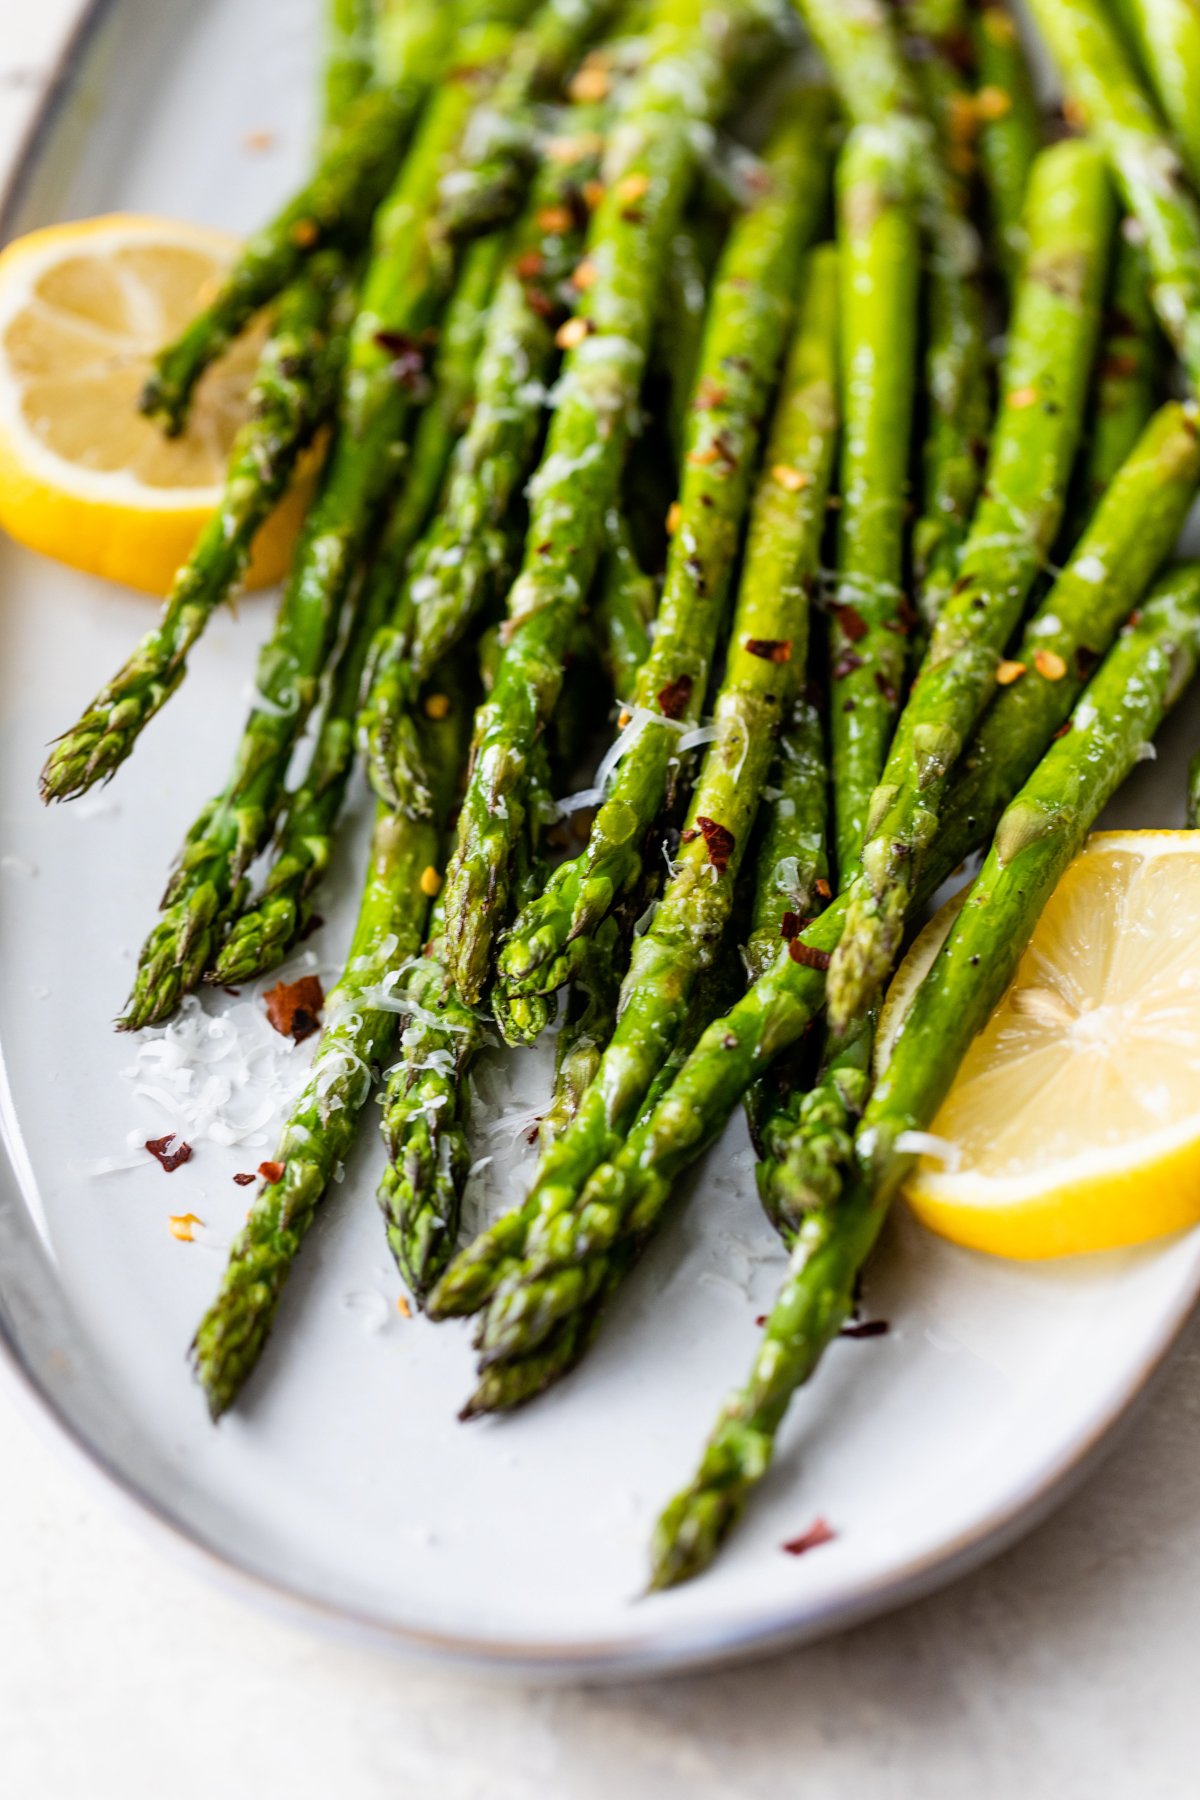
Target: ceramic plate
343, 1485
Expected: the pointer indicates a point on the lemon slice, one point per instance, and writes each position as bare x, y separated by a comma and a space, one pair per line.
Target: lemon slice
83, 477
1074, 1121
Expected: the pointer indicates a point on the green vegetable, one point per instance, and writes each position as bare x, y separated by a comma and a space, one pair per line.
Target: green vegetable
1040, 832
1010, 128
272, 922
409, 273
564, 1266
880, 265
752, 299
292, 396
1103, 84
685, 83
685, 932
321, 1128
1168, 38
465, 554
1044, 383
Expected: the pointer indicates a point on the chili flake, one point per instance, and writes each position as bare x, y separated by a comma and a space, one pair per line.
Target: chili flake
851, 622
1007, 672
271, 1171
719, 841
294, 1007
183, 1226
674, 697
806, 956
772, 650
160, 1150
818, 1533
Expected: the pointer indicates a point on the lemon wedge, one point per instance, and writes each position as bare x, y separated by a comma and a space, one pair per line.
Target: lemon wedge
83, 477
1074, 1122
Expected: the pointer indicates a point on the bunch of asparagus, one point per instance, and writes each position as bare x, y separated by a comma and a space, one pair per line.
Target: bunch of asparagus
905, 602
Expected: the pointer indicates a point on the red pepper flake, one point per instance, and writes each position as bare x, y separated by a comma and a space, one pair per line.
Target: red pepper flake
408, 359
1135, 618
674, 697
865, 1328
271, 1171
823, 889
294, 1007
761, 1319
530, 264
772, 650
818, 1533
243, 1180
790, 926
852, 623
1061, 732
846, 664
160, 1150
689, 836
719, 841
806, 956
1118, 365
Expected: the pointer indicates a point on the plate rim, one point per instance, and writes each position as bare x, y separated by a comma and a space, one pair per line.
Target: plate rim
672, 1650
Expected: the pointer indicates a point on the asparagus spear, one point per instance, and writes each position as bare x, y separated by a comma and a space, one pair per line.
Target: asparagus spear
792, 871
352, 174
423, 1121
692, 914
684, 84
1102, 82
401, 291
293, 394
261, 935
880, 262
586, 1030
872, 77
465, 553
1127, 378
322, 1125
1009, 128
752, 300
1040, 832
1044, 385
349, 54
1168, 38
504, 133
791, 885
956, 361
1131, 534
623, 607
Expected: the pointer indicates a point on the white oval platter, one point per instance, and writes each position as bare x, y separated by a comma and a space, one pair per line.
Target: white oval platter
343, 1488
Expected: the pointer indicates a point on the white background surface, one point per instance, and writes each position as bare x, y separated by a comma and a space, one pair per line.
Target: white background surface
1069, 1667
